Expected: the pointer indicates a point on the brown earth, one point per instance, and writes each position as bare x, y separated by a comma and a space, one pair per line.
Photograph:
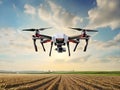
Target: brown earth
58, 82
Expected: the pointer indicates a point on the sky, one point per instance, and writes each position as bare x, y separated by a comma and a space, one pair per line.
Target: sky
17, 50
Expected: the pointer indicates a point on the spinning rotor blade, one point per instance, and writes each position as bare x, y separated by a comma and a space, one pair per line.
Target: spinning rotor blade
88, 30
28, 29
78, 29
41, 29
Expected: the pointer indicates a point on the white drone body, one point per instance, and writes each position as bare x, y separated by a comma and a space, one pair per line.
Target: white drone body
60, 40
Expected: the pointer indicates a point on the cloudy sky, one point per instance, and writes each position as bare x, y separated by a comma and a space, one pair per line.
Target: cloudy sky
16, 47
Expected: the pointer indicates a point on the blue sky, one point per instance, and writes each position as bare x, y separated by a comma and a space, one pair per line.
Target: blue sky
17, 51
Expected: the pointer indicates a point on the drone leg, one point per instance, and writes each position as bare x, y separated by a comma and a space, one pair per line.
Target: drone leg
68, 48
86, 45
35, 46
42, 45
75, 47
51, 48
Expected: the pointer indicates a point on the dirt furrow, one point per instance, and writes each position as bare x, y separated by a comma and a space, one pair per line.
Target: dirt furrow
107, 84
12, 80
54, 85
24, 83
67, 84
36, 85
94, 80
81, 85
71, 85
44, 85
88, 83
62, 84
59, 82
103, 82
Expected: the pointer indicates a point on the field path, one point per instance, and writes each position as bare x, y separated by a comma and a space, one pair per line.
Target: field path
58, 82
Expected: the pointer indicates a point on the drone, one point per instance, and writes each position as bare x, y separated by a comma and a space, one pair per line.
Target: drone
82, 36
60, 39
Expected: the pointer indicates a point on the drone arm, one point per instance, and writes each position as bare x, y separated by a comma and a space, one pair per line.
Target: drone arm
51, 48
68, 48
46, 37
74, 37
46, 41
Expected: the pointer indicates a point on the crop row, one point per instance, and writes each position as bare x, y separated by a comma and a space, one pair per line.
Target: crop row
59, 82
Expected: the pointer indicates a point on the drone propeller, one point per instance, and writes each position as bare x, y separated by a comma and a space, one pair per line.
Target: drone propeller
80, 29
41, 29
28, 30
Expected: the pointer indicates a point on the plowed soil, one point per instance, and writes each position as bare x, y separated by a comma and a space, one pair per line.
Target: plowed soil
58, 82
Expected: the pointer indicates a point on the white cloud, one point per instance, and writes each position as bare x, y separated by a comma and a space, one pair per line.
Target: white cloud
105, 14
54, 15
57, 16
117, 38
29, 9
80, 59
43, 13
114, 59
111, 44
13, 41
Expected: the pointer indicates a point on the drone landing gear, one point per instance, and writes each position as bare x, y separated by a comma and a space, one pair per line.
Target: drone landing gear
68, 48
35, 46
51, 48
42, 45
85, 48
76, 45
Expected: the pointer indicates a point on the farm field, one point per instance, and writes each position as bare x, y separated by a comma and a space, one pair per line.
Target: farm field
58, 82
